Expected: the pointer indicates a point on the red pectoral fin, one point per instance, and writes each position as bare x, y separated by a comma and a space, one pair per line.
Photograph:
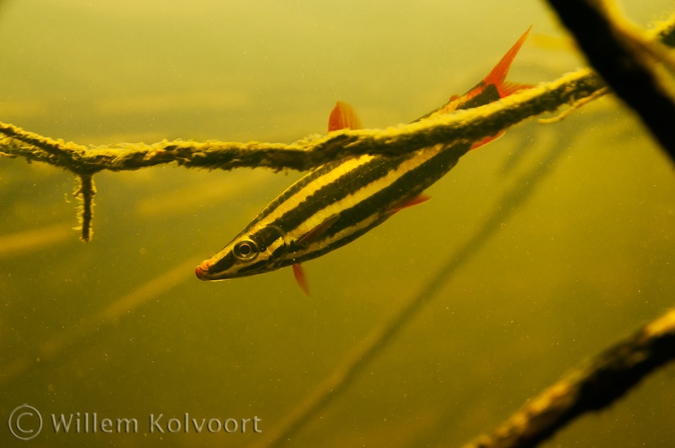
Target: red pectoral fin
343, 117
300, 279
420, 198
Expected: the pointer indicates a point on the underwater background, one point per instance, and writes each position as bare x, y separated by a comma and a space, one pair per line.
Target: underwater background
582, 255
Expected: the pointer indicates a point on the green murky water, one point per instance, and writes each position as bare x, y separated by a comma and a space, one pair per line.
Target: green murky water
120, 327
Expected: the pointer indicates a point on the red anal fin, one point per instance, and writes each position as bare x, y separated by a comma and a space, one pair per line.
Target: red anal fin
300, 279
343, 117
420, 198
498, 74
319, 230
486, 140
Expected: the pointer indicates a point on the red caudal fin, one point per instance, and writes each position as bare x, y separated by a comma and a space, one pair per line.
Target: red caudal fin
497, 76
300, 279
343, 117
491, 88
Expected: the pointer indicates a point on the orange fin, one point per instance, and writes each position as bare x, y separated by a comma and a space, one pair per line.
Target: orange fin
343, 117
317, 231
420, 198
498, 74
300, 279
497, 77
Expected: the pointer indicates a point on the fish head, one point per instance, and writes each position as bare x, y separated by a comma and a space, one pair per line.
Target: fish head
252, 252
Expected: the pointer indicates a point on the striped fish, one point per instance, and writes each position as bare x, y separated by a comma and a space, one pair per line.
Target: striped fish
342, 200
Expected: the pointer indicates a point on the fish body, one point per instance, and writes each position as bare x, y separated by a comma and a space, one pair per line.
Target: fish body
339, 201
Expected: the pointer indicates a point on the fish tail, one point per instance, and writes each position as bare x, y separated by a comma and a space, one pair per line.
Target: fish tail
497, 76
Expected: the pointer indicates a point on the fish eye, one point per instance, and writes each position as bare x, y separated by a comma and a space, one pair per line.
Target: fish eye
245, 250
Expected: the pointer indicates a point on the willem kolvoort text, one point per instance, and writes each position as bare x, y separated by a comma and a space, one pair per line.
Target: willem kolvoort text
92, 423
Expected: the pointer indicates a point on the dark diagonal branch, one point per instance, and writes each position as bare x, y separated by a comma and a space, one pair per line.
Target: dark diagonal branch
625, 59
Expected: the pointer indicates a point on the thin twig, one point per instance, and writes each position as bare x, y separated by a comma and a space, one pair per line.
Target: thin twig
573, 107
84, 192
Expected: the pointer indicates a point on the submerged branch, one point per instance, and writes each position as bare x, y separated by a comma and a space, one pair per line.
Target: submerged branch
469, 125
308, 153
625, 58
589, 388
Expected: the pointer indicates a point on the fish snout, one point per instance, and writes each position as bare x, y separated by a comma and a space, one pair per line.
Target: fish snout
202, 271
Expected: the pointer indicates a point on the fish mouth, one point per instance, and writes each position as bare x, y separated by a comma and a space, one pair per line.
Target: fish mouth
209, 270
202, 271
201, 274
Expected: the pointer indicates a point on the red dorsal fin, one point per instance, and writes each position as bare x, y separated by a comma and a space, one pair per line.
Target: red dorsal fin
300, 279
420, 198
343, 117
498, 74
